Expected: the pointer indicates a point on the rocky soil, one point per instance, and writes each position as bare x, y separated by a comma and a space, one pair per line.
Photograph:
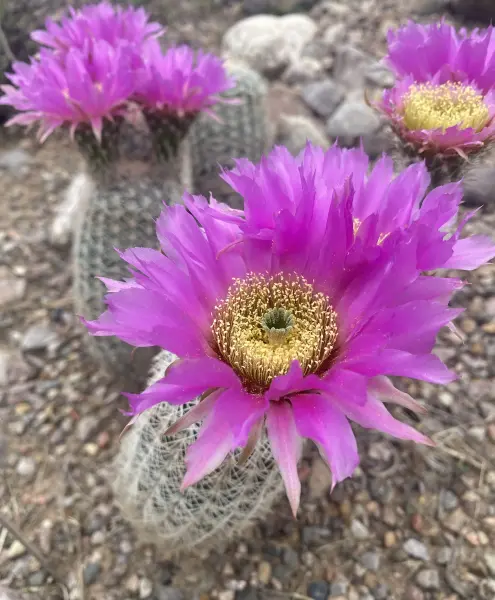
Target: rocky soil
413, 523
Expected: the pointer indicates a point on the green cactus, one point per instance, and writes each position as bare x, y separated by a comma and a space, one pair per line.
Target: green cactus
149, 471
242, 132
126, 192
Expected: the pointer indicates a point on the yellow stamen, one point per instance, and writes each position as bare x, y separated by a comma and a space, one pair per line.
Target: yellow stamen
428, 106
356, 224
265, 323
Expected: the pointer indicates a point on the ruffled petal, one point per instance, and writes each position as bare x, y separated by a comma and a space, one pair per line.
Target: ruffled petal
470, 253
374, 415
286, 448
184, 381
321, 421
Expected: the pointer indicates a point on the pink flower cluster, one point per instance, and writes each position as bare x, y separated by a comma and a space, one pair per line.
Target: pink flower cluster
97, 61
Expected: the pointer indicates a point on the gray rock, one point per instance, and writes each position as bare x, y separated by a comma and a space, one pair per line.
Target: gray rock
145, 588
323, 97
416, 549
291, 558
86, 427
295, 131
351, 67
248, 593
14, 160
490, 562
8, 594
26, 467
359, 530
277, 7
351, 121
370, 561
39, 337
334, 34
381, 592
448, 500
312, 534
12, 288
378, 75
268, 43
428, 579
303, 70
37, 579
444, 555
91, 572
4, 366
338, 588
318, 590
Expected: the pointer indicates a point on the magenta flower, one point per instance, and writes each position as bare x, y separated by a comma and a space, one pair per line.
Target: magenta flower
294, 312
88, 88
180, 80
113, 24
444, 98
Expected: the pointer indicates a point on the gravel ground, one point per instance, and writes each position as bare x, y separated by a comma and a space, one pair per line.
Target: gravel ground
413, 523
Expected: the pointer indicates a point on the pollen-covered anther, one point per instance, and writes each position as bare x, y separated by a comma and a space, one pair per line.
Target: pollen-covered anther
429, 106
265, 323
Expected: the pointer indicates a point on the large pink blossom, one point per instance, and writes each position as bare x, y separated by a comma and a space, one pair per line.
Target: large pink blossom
294, 312
87, 88
180, 80
444, 98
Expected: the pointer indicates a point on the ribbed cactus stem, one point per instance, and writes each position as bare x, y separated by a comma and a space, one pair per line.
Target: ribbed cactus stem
128, 189
99, 154
168, 130
223, 506
242, 130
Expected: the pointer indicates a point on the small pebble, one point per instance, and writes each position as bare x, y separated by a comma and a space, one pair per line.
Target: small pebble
91, 573
370, 561
338, 588
26, 467
428, 579
91, 449
318, 590
264, 572
359, 530
15, 550
145, 588
444, 555
416, 549
226, 595
389, 539
449, 500
132, 584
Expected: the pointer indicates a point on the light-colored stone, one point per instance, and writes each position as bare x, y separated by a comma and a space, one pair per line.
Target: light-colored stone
320, 479
12, 288
323, 97
303, 70
295, 131
268, 43
351, 121
77, 195
416, 549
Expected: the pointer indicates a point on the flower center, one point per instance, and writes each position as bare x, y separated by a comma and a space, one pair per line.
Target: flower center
265, 323
428, 106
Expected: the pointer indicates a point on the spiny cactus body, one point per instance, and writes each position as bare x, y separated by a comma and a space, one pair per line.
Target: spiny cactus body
127, 196
150, 468
242, 132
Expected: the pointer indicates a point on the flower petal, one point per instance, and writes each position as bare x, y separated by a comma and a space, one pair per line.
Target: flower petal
286, 447
318, 419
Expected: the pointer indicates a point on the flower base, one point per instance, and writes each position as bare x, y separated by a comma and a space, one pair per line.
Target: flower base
149, 471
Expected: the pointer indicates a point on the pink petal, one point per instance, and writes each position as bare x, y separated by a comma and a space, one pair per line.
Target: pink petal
184, 381
208, 451
286, 447
384, 387
470, 253
374, 415
318, 419
197, 413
